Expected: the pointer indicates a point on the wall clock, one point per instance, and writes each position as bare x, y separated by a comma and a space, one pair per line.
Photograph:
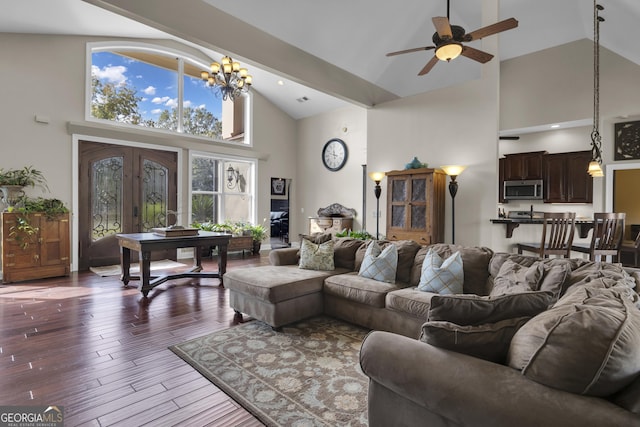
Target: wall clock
334, 154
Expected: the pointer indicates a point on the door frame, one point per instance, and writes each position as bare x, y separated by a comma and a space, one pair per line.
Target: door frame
75, 191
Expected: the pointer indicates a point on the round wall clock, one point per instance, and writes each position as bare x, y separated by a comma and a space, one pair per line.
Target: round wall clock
334, 154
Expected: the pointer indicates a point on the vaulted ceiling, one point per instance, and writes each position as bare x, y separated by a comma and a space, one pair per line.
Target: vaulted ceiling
333, 51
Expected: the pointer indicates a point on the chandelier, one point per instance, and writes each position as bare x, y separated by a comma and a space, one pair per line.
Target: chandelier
231, 80
595, 166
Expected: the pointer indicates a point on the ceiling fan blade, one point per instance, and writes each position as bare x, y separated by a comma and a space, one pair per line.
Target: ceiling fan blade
415, 49
476, 55
442, 27
498, 27
429, 66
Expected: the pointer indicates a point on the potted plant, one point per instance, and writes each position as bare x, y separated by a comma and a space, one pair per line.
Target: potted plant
258, 234
13, 181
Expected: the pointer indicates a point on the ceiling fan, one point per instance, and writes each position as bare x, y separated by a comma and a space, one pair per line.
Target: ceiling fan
448, 41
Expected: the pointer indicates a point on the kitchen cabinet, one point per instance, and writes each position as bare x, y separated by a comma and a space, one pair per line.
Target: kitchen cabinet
521, 166
566, 178
501, 180
43, 254
415, 205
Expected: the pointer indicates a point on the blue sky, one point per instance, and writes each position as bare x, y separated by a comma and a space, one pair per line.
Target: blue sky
157, 86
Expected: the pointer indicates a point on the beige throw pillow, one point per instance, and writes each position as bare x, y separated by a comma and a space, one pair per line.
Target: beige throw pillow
316, 256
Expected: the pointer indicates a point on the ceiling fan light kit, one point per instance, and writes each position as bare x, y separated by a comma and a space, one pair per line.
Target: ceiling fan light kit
448, 41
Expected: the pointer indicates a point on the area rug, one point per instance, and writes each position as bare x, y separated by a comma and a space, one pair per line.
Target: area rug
308, 374
114, 270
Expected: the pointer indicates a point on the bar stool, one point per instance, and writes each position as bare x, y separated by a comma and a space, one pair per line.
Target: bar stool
633, 247
557, 235
608, 230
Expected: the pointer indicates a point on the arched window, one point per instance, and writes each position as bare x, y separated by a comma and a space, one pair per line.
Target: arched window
141, 85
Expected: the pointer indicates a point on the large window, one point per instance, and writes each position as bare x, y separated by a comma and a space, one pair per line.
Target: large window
139, 85
222, 189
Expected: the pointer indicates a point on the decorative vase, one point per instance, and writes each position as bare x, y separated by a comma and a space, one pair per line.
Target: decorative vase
11, 195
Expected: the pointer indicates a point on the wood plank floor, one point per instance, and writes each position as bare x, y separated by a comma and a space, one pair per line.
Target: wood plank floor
99, 350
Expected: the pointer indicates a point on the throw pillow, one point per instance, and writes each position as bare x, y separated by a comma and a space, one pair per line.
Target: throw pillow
442, 276
517, 278
316, 256
588, 343
476, 310
380, 264
488, 341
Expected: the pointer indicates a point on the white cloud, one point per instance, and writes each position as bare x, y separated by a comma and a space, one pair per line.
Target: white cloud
201, 107
156, 111
150, 90
186, 104
160, 100
173, 102
113, 74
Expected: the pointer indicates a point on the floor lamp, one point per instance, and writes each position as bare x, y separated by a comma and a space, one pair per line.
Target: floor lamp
453, 171
377, 177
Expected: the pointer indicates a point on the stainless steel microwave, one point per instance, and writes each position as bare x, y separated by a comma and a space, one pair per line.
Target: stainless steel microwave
523, 190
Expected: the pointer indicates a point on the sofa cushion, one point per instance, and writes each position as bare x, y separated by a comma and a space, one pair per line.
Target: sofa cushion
316, 256
475, 261
276, 283
489, 341
596, 270
358, 289
516, 278
380, 264
344, 252
500, 257
442, 276
407, 250
629, 397
588, 343
476, 310
410, 301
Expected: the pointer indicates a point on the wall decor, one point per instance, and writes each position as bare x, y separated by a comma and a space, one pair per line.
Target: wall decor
627, 140
278, 187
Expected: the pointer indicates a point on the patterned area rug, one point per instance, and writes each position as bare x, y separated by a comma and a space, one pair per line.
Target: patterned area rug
306, 375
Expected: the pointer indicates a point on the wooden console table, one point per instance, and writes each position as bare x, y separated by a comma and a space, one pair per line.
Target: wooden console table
145, 243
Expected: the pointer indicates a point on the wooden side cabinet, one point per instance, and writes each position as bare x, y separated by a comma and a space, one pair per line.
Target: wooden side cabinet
47, 252
415, 205
566, 178
329, 224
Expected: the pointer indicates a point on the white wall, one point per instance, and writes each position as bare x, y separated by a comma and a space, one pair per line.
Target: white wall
317, 186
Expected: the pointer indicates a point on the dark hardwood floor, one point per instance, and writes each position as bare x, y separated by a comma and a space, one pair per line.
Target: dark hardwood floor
99, 350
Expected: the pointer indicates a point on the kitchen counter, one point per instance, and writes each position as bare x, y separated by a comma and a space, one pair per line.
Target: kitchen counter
583, 224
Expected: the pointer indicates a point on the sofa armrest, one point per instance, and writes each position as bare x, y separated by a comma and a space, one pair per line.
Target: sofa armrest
470, 392
284, 256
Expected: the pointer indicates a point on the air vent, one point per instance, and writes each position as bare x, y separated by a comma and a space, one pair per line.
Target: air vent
302, 99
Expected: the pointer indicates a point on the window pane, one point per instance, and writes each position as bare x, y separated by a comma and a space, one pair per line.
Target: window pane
106, 200
155, 193
203, 208
237, 208
204, 171
202, 110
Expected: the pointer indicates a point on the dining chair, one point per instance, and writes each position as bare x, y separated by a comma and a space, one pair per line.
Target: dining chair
606, 240
557, 235
633, 247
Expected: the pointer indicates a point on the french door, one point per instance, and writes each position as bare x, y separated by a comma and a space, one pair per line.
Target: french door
122, 190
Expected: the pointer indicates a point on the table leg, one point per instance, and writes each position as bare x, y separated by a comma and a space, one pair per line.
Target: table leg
197, 259
145, 271
222, 261
125, 264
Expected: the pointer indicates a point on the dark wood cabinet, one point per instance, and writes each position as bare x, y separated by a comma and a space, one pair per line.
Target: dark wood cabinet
43, 254
415, 205
501, 180
521, 166
566, 178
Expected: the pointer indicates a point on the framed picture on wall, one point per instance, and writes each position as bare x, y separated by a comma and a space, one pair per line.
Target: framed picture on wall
278, 187
627, 140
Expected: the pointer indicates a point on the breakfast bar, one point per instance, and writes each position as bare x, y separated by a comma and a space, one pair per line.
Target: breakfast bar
582, 224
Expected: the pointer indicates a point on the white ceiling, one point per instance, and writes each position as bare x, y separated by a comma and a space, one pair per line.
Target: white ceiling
352, 35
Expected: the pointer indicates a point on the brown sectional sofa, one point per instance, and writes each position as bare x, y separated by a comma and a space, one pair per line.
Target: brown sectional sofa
416, 383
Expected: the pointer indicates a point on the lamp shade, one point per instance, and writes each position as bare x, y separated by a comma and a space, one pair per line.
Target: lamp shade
449, 51
453, 170
376, 176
